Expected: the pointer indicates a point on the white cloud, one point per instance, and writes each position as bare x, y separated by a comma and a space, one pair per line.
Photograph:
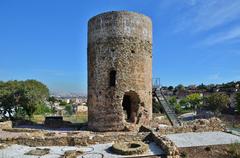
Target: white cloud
217, 20
204, 15
230, 35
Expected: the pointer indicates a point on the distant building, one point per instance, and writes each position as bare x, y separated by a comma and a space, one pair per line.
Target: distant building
67, 101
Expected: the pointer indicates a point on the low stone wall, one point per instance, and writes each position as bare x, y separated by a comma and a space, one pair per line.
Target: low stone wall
6, 125
166, 144
71, 139
85, 138
201, 125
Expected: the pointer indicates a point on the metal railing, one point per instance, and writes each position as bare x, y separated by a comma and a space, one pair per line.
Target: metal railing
170, 112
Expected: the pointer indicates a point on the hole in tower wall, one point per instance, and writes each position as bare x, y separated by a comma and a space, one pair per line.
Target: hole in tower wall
112, 78
130, 105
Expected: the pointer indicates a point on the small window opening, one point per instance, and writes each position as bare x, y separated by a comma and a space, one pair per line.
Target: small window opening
132, 51
113, 78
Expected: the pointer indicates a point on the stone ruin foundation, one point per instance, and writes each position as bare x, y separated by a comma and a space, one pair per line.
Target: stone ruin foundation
119, 70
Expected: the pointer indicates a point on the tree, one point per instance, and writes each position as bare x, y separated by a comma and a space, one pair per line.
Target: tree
21, 97
173, 101
178, 108
170, 88
9, 98
34, 94
194, 99
202, 87
52, 99
237, 98
183, 102
63, 103
42, 109
8, 103
217, 102
180, 87
69, 109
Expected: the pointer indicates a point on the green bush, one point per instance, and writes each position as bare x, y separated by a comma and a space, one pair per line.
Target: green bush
69, 109
183, 154
20, 113
178, 108
216, 102
42, 109
63, 103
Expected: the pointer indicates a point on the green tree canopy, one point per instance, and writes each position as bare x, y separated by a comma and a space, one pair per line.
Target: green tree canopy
217, 102
194, 99
180, 87
24, 95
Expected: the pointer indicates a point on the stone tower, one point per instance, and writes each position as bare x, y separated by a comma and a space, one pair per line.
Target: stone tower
119, 70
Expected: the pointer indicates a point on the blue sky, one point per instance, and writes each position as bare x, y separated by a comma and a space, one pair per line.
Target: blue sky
194, 41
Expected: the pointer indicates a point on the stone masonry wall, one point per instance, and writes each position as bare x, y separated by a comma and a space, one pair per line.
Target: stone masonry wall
6, 125
120, 41
201, 125
41, 138
166, 145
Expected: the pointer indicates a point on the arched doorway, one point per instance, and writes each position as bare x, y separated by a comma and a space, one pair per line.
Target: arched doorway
130, 105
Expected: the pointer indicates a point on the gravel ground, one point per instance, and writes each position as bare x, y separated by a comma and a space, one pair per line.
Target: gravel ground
203, 139
95, 151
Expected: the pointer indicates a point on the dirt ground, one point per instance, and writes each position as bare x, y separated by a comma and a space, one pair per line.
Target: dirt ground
231, 120
218, 151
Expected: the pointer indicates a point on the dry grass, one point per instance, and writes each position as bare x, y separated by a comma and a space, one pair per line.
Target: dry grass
80, 118
234, 150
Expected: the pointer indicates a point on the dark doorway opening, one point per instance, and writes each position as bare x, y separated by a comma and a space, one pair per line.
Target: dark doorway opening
112, 80
130, 105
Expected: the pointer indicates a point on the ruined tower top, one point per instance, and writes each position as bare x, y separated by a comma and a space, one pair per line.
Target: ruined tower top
120, 24
119, 70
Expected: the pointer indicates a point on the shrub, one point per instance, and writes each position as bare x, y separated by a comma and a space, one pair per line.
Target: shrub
217, 102
184, 155
42, 109
69, 109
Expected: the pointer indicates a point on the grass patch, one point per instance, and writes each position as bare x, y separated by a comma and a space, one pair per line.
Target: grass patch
80, 118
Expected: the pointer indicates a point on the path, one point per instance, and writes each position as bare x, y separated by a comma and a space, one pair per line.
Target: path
203, 139
94, 151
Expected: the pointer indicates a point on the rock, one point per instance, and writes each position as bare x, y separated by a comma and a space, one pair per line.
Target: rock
159, 118
3, 146
38, 152
72, 154
162, 126
6, 125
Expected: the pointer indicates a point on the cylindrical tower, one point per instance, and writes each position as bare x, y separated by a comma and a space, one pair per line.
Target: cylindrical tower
119, 70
